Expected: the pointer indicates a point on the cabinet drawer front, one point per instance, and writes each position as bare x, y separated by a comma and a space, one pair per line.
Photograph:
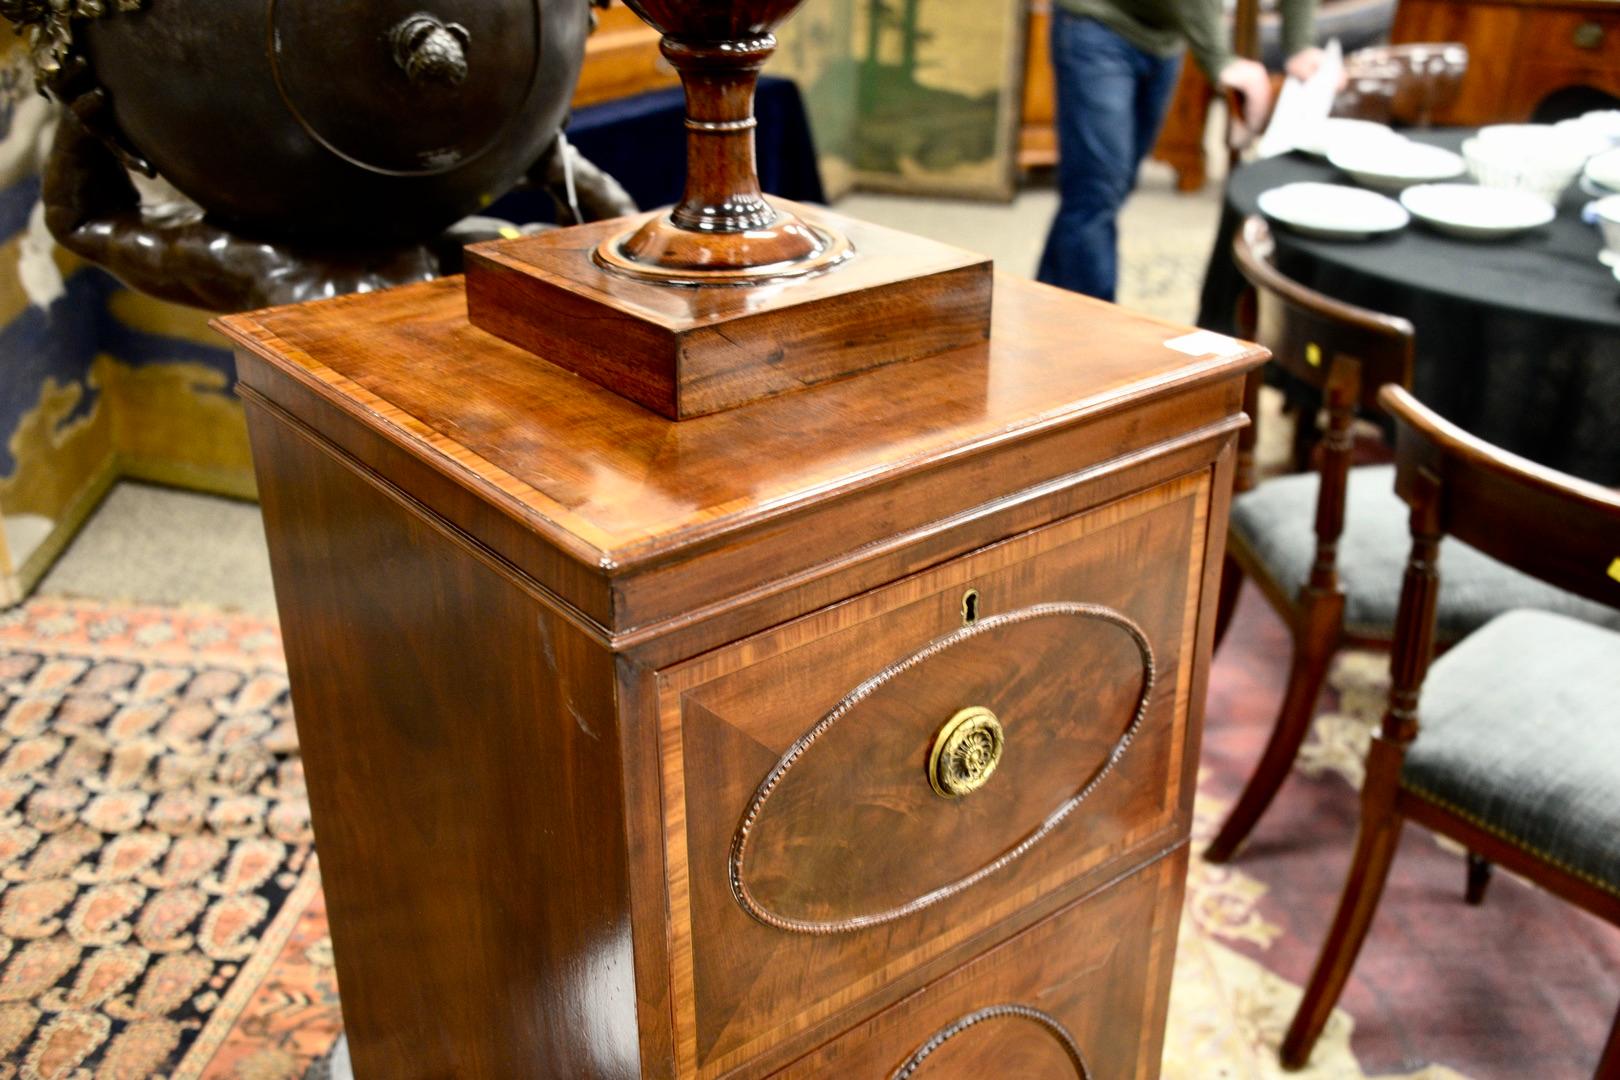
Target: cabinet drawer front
852, 796
844, 834
1078, 996
1584, 38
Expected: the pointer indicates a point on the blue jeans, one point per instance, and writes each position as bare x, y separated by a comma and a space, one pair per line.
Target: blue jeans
1111, 101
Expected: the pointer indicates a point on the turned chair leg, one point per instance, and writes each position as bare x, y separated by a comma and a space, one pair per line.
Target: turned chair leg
1609, 1065
1231, 586
1479, 876
1376, 841
1314, 646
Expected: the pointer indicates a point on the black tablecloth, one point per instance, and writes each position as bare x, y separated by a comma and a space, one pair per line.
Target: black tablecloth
1518, 340
641, 142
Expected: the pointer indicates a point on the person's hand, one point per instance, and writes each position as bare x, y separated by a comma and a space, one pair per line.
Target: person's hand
1305, 63
1252, 83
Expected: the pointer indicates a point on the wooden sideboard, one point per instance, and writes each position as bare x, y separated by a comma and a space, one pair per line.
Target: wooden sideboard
647, 748
1520, 51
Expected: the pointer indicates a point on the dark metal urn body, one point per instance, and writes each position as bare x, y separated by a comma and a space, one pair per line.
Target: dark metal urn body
365, 122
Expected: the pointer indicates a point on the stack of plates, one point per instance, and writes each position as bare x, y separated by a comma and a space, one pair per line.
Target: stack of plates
1477, 213
1333, 211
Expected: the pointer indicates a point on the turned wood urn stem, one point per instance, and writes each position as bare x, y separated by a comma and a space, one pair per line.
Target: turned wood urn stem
722, 176
723, 231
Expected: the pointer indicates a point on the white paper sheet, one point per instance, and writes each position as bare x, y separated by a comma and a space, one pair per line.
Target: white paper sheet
1303, 106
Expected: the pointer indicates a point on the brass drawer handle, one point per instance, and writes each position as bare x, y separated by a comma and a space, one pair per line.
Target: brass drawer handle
1054, 1027
1589, 35
966, 751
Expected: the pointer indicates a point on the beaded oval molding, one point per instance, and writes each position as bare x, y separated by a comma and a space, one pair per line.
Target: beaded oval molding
740, 839
1051, 1023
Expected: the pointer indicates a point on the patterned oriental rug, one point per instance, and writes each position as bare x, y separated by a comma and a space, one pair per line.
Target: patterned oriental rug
161, 913
160, 903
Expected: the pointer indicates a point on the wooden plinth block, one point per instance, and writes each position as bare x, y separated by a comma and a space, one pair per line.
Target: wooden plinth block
686, 351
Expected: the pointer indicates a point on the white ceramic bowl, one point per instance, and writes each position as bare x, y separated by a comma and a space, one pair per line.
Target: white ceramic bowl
1571, 137
1602, 174
1392, 166
1333, 211
1608, 215
1592, 136
1545, 168
1605, 122
1477, 213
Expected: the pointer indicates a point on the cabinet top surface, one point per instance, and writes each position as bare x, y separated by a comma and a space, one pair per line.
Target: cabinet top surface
616, 484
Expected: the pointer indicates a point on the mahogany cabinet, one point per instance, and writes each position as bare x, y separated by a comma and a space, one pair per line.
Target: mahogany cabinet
849, 733
1520, 51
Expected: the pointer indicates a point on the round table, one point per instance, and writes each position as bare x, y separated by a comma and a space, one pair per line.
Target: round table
1518, 340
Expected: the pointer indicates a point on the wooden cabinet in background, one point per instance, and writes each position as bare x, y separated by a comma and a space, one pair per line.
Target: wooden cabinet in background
848, 733
621, 59
1520, 51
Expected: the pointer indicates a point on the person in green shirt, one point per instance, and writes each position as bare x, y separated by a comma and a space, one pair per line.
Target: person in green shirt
1116, 63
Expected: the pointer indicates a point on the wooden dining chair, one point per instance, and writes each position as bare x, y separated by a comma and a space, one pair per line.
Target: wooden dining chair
1509, 744
1326, 546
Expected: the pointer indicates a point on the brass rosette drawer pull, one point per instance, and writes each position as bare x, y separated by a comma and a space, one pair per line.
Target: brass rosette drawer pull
965, 754
1053, 1026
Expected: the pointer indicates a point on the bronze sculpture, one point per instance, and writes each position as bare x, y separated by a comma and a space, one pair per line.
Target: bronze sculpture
330, 155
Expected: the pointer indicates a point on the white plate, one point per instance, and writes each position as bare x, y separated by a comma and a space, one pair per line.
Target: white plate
1392, 166
1477, 213
1339, 131
1333, 211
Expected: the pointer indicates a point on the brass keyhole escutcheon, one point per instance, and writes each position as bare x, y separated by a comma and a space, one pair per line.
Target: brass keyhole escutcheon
970, 607
966, 753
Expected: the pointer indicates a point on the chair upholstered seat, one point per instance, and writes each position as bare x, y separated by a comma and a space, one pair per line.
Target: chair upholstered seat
1277, 522
1519, 730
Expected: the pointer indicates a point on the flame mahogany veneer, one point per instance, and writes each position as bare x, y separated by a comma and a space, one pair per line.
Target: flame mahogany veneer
618, 729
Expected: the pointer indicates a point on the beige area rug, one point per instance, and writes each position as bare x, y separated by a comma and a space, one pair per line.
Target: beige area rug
1227, 1012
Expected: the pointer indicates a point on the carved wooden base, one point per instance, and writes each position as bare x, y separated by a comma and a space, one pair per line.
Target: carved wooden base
686, 351
663, 253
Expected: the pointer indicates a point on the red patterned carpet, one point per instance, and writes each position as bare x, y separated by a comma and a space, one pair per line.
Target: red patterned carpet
161, 915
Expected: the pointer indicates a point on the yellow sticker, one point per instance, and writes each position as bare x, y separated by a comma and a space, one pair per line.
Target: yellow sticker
1614, 569
1313, 354
508, 232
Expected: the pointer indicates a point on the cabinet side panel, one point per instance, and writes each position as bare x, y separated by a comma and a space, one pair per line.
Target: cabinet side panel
460, 743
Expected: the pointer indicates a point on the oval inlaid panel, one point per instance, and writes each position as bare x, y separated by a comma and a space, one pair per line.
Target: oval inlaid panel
993, 1050
847, 831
